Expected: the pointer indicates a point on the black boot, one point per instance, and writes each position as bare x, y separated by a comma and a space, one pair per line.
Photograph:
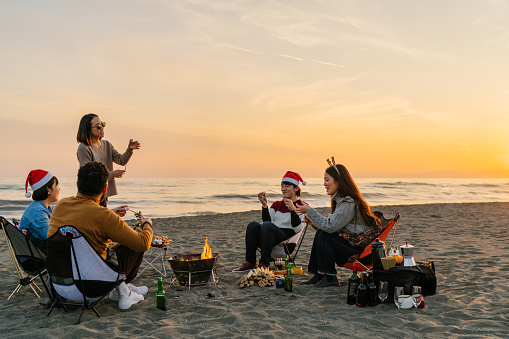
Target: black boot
328, 280
316, 278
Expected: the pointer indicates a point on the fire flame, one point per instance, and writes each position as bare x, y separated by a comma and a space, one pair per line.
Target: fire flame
207, 252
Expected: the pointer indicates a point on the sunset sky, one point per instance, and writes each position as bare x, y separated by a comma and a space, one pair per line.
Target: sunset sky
253, 88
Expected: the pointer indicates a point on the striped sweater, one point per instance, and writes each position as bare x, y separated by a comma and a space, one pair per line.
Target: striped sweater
282, 217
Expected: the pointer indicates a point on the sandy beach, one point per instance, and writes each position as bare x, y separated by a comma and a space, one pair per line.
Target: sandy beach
467, 242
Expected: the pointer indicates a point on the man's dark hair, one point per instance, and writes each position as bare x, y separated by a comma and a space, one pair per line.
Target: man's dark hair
92, 177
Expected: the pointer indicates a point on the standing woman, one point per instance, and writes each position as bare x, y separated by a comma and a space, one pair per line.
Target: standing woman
92, 147
35, 219
345, 232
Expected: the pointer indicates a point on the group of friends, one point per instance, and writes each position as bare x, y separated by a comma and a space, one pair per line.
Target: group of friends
345, 232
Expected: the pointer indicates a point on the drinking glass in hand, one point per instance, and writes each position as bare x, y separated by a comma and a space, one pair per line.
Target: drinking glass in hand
417, 298
398, 291
382, 291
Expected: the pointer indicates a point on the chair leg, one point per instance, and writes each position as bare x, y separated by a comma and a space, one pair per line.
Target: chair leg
53, 305
81, 313
358, 262
33, 289
93, 308
15, 290
33, 283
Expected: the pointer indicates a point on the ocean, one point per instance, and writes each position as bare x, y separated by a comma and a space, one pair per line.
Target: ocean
172, 197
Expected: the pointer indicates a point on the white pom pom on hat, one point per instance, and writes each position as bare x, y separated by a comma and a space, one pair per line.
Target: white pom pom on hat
37, 178
293, 178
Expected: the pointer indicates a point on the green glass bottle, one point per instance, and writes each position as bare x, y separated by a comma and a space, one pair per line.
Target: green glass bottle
160, 296
287, 260
288, 278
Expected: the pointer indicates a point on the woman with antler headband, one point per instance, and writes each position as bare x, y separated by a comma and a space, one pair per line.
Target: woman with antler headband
345, 232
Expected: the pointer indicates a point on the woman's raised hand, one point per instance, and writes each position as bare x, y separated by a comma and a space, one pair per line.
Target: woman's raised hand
302, 209
134, 144
118, 173
263, 199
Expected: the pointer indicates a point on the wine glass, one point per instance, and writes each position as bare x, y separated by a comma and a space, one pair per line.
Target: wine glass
382, 291
398, 291
417, 298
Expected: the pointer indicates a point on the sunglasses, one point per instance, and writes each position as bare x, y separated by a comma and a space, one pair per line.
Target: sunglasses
100, 125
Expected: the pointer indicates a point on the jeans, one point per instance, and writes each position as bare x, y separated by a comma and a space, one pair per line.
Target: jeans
265, 236
329, 249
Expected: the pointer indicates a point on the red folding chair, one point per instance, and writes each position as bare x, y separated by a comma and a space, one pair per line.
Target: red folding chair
364, 260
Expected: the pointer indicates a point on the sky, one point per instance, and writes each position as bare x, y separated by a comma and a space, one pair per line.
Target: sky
254, 88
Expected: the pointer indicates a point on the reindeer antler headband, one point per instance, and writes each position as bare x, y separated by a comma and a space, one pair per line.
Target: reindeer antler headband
333, 164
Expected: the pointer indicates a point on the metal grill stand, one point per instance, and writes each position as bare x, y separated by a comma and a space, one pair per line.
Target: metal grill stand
178, 275
190, 270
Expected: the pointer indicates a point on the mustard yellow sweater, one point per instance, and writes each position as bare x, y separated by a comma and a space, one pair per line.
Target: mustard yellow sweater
98, 224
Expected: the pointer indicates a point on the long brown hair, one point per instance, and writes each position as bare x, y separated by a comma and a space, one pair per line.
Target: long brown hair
85, 129
347, 187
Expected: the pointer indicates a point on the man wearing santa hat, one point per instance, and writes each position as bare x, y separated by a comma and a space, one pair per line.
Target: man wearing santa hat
280, 222
35, 219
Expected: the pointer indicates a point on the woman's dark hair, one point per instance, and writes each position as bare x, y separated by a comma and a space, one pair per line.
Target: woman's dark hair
289, 183
85, 129
347, 187
42, 192
92, 177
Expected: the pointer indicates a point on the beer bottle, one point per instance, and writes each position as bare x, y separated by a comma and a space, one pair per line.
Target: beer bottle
353, 284
287, 260
372, 291
160, 296
362, 292
288, 278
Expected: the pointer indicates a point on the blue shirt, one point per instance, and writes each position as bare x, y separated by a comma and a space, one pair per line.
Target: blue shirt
35, 219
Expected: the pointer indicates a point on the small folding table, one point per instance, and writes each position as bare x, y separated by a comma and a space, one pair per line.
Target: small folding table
151, 258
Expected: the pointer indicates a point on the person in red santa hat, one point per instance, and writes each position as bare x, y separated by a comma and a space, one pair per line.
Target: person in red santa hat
35, 219
280, 222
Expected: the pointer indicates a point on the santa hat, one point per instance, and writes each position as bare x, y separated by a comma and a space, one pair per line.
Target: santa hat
293, 178
37, 178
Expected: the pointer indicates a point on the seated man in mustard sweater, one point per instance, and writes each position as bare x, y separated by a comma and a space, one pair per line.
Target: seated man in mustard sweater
101, 226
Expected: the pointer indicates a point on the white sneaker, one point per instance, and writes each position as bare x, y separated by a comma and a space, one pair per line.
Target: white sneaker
125, 302
141, 290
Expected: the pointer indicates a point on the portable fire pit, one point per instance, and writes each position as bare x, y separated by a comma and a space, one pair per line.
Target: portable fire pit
190, 269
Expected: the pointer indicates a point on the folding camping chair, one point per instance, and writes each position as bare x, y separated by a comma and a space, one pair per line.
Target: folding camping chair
364, 259
288, 246
28, 260
77, 273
